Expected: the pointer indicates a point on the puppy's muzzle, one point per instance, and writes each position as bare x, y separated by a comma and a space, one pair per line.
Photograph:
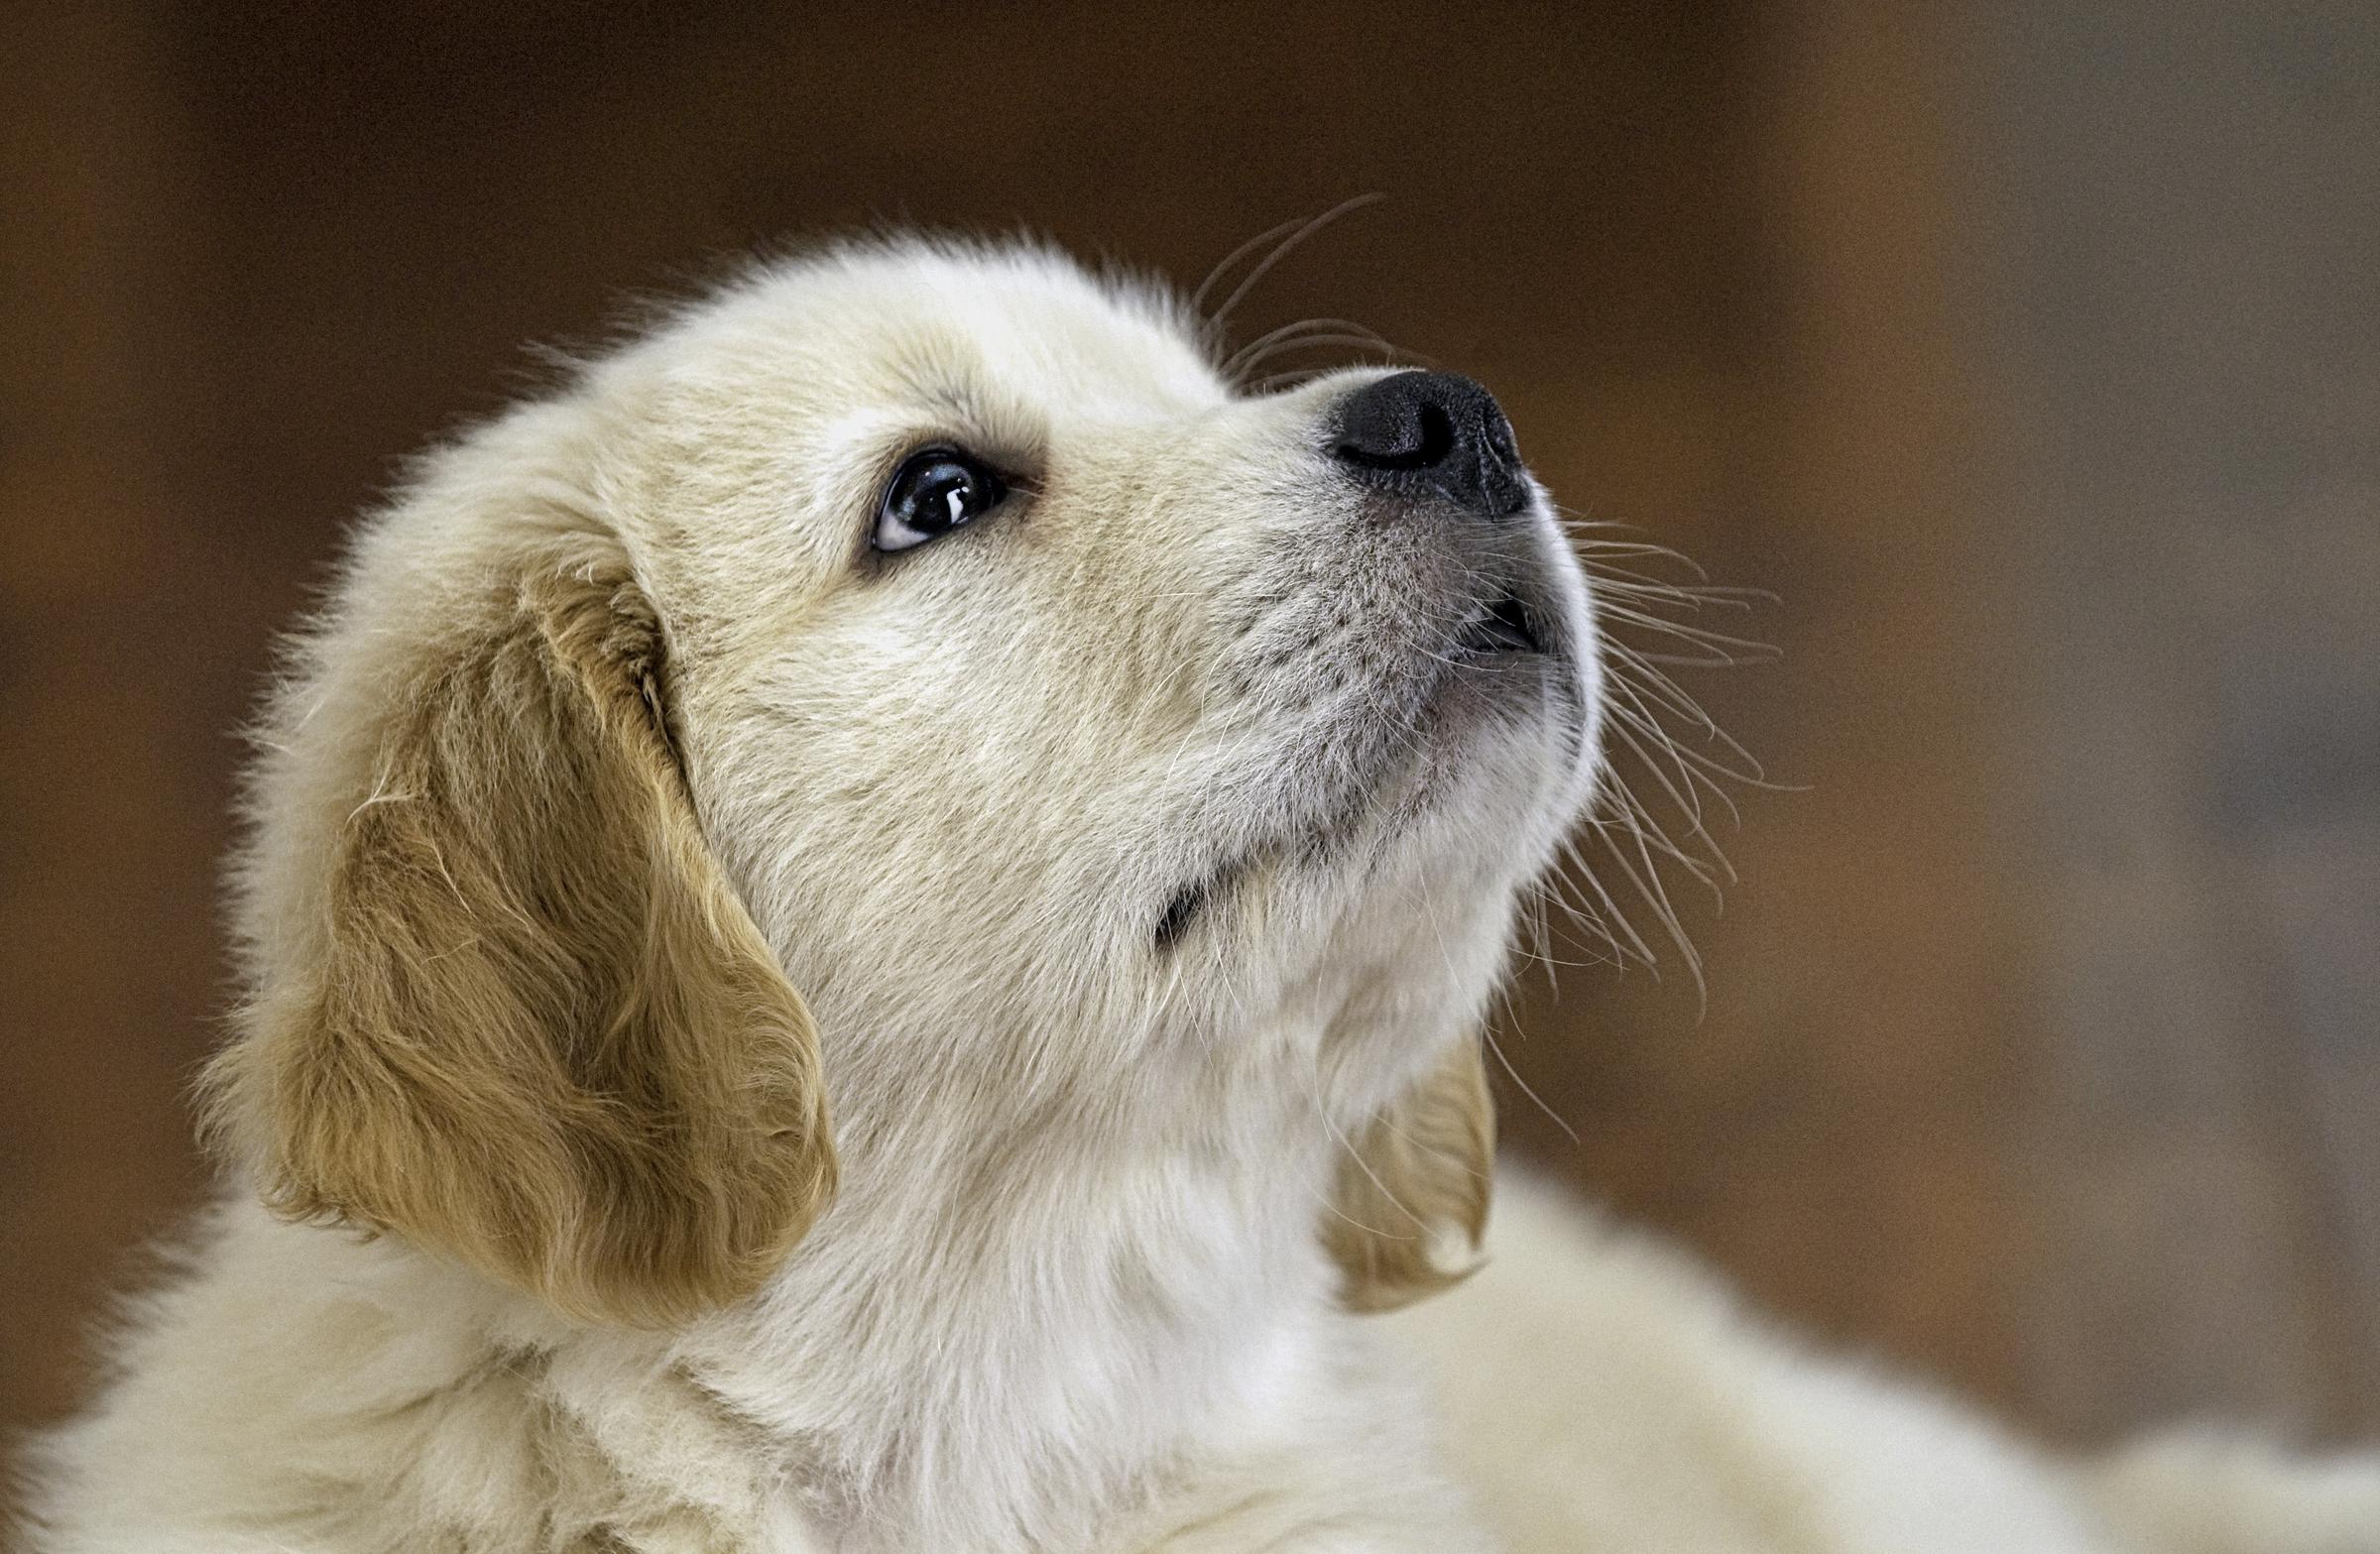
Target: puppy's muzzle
1431, 433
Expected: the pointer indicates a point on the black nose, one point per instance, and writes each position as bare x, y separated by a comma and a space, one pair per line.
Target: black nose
1418, 433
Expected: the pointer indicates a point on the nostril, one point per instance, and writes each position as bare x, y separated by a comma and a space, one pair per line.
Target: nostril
1437, 443
1425, 439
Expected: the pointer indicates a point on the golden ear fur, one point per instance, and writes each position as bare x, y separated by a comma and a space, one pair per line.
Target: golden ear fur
1413, 1178
545, 1037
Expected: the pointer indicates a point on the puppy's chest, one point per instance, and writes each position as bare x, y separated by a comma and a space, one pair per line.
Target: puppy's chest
1017, 1424
998, 1384
1048, 1435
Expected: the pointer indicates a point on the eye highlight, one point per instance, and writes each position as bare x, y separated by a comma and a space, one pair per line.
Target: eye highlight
935, 491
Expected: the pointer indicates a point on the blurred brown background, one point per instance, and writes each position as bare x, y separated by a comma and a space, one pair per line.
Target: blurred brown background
2028, 353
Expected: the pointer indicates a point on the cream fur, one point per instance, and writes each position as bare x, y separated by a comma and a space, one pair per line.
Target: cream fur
1091, 1276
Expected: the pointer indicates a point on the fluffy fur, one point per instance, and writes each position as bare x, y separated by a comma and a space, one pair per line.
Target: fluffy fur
751, 1043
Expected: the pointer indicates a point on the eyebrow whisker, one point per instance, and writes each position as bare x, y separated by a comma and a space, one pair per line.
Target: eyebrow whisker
1281, 251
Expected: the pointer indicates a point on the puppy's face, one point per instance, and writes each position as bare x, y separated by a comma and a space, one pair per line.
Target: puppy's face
1033, 681
913, 680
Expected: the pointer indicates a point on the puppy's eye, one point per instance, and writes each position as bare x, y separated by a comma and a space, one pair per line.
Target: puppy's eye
934, 492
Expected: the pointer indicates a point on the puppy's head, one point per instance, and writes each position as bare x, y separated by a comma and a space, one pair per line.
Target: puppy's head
915, 674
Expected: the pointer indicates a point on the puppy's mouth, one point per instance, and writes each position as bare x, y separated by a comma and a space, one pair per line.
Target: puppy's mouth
1311, 845
1194, 901
1503, 626
1189, 905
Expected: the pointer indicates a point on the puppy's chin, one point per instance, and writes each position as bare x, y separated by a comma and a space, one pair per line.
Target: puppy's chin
1484, 778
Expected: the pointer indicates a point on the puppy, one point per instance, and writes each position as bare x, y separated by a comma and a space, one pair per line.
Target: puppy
865, 931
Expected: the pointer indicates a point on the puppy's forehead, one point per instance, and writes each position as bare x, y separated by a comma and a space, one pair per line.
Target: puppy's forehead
952, 329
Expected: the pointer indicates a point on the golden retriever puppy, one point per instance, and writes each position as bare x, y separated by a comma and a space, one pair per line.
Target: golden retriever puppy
865, 931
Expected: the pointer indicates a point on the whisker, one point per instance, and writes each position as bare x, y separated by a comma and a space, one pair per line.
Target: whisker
1304, 332
1282, 250
1670, 769
1198, 299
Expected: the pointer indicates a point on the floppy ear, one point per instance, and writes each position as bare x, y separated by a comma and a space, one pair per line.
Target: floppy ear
543, 1036
1415, 1176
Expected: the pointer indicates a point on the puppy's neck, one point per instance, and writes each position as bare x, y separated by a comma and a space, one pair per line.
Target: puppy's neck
1017, 1325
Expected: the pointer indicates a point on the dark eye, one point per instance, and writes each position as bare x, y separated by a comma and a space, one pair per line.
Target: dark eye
934, 492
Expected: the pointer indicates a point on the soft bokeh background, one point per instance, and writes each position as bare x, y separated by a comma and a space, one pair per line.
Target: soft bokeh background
2028, 353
